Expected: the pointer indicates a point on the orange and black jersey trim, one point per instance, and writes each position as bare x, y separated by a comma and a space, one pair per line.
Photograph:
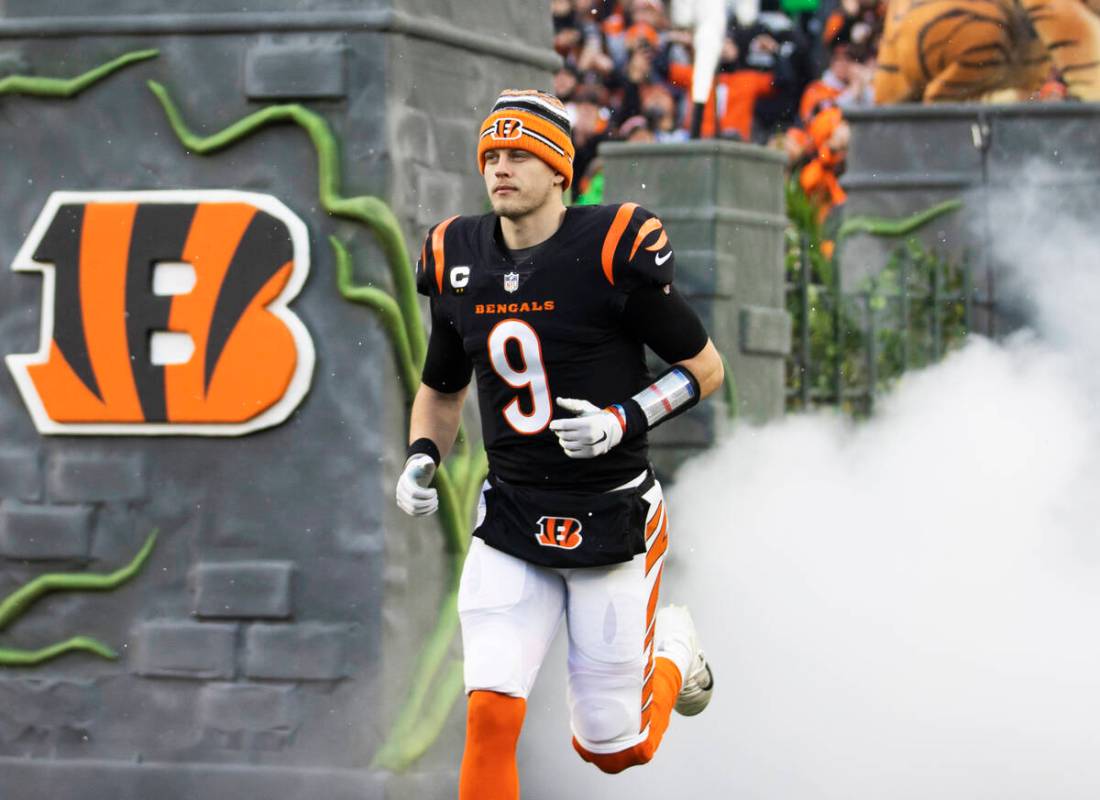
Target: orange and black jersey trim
570, 321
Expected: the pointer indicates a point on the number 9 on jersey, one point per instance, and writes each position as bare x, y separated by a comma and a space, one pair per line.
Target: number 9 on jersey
531, 374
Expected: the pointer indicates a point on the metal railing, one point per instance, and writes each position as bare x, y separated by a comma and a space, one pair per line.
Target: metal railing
851, 345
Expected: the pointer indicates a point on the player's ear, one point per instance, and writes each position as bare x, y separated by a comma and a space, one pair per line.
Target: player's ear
559, 179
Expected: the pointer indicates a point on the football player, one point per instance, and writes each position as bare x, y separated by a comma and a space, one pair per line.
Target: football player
552, 307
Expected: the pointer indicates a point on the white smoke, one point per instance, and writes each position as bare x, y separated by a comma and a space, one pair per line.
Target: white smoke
906, 608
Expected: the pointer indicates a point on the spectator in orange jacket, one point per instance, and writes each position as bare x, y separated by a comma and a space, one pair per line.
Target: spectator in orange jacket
729, 110
828, 137
846, 83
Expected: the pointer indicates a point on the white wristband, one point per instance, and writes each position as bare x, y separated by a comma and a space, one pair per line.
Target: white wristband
672, 392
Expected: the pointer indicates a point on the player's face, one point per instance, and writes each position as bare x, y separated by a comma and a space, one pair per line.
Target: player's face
518, 182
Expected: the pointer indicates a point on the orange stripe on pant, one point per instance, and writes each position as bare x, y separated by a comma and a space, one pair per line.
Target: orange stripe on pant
662, 678
666, 685
654, 521
657, 549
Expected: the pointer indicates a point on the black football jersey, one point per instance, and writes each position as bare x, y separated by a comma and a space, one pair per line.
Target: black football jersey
549, 327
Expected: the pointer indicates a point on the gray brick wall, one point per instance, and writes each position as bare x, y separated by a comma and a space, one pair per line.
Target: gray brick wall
255, 660
295, 71
308, 651
34, 779
91, 478
32, 708
184, 649
258, 589
44, 533
249, 708
20, 473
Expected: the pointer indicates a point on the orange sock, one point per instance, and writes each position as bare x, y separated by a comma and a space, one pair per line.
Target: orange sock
493, 723
666, 686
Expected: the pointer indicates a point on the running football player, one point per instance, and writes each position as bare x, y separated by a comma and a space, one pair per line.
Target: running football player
552, 307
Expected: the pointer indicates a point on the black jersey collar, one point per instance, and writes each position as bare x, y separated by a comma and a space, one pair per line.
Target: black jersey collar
493, 242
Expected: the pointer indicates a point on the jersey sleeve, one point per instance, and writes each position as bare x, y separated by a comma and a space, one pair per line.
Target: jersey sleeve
664, 321
447, 367
430, 266
636, 251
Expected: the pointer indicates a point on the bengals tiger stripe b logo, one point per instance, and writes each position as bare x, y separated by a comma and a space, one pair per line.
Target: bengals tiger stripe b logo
563, 532
508, 128
252, 359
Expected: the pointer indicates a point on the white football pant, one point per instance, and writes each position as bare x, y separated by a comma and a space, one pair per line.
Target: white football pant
510, 611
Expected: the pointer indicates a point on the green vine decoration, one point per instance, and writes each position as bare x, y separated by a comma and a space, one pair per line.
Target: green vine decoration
18, 602
894, 228
370, 211
437, 678
68, 87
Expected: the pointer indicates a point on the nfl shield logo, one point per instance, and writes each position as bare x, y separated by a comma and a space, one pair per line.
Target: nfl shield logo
511, 281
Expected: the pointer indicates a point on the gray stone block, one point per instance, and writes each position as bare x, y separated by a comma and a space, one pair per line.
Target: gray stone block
86, 478
434, 785
308, 652
33, 779
250, 589
440, 193
456, 145
44, 533
766, 331
248, 708
37, 706
178, 649
12, 62
304, 71
20, 474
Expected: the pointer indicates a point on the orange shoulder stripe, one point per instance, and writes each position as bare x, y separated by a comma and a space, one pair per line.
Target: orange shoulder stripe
437, 249
611, 241
662, 240
647, 228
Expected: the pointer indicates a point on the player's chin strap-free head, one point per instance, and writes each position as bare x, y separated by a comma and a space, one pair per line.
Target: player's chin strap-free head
533, 121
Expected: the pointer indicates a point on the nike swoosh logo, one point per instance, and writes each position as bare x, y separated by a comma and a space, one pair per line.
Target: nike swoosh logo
660, 261
601, 438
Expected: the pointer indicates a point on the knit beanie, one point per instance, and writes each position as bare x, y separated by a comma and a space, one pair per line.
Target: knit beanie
533, 121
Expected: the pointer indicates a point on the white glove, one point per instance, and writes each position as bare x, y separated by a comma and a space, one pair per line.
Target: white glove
591, 434
414, 496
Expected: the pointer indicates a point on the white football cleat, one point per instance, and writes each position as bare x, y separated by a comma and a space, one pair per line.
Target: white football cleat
676, 639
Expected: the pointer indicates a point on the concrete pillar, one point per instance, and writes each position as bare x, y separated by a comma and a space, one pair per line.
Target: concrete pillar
722, 204
269, 641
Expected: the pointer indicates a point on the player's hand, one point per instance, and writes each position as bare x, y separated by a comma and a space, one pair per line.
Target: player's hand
414, 496
592, 433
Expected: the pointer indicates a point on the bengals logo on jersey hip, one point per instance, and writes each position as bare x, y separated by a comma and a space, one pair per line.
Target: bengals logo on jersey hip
250, 359
563, 532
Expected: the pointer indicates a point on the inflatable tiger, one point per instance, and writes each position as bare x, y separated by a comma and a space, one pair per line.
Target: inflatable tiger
951, 50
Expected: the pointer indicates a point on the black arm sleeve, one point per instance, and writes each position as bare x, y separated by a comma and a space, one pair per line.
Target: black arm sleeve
447, 368
664, 322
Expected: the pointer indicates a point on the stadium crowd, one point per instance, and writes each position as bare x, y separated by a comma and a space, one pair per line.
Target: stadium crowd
783, 80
